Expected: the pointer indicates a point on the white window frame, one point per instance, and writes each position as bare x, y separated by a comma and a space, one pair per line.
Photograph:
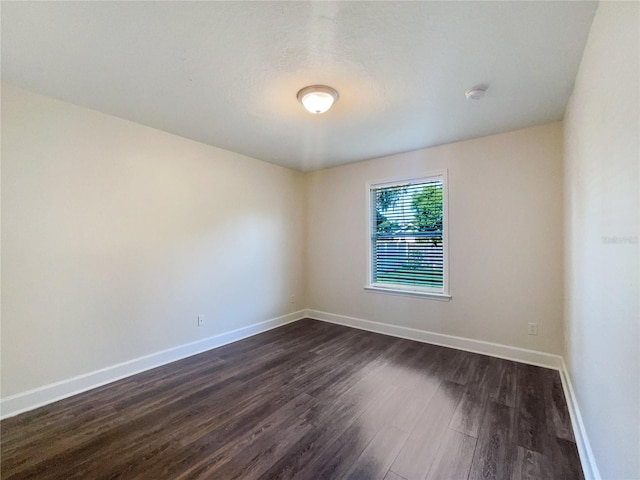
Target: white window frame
397, 289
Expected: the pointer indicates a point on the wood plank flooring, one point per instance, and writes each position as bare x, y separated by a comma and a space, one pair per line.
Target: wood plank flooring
309, 400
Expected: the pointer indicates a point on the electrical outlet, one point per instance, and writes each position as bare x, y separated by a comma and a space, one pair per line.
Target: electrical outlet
532, 329
200, 320
292, 299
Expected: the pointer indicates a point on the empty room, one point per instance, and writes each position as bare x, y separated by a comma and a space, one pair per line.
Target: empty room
320, 240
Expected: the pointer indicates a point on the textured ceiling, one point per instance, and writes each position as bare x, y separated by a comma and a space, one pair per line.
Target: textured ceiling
227, 73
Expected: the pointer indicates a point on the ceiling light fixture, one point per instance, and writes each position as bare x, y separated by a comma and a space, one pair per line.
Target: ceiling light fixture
317, 98
475, 93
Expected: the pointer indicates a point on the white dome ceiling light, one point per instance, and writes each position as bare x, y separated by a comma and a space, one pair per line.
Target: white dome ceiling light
476, 93
317, 98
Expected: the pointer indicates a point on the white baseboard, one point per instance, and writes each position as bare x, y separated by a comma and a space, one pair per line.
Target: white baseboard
522, 355
25, 401
589, 466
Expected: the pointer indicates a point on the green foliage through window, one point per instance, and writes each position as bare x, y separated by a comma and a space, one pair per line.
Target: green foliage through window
407, 235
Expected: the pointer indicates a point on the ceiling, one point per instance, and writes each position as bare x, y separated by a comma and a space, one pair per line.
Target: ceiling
227, 73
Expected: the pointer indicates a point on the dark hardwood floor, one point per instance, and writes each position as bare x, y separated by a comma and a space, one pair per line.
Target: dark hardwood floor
309, 400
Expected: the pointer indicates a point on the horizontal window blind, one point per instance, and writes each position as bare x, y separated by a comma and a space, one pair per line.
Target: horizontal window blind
407, 234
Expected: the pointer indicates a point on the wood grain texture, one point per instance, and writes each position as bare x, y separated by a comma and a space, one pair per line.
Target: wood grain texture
419, 451
393, 476
532, 417
306, 401
453, 459
531, 465
374, 462
557, 413
504, 391
495, 451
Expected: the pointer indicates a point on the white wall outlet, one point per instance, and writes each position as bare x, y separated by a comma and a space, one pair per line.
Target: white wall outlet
200, 320
292, 299
532, 328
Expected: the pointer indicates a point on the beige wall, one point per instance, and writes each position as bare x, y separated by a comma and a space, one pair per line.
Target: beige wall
116, 236
602, 216
505, 213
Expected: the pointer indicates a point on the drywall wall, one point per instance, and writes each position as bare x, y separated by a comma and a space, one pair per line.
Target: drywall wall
505, 229
115, 236
602, 261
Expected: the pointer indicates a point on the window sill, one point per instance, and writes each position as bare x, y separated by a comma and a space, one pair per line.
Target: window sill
409, 293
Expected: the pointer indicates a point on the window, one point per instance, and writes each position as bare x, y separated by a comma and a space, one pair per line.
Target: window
409, 236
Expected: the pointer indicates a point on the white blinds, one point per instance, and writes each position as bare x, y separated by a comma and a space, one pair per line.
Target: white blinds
406, 237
